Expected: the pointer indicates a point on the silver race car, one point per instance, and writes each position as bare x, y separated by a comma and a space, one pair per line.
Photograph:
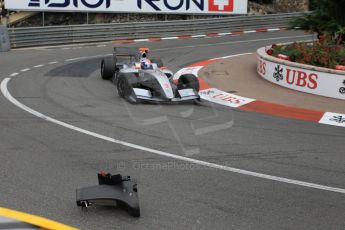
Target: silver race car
139, 78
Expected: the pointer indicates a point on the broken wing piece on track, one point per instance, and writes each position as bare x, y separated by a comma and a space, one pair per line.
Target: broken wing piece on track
113, 190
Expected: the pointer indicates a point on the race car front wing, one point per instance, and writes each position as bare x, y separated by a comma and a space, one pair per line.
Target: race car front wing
185, 95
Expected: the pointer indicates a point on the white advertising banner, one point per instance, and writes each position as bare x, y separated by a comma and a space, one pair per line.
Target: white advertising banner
223, 98
335, 119
135, 6
309, 81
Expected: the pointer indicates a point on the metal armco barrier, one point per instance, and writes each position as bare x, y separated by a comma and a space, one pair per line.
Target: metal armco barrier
57, 35
4, 39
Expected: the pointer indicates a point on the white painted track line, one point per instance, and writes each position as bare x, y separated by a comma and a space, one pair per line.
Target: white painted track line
223, 34
198, 36
169, 38
7, 95
272, 30
14, 74
141, 40
38, 66
249, 31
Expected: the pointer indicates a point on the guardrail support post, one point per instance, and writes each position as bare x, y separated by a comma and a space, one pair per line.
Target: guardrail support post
43, 19
5, 44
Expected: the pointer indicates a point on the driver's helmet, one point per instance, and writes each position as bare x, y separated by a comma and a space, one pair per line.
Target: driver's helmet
145, 64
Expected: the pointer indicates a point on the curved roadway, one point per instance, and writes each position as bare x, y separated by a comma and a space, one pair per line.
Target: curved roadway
43, 163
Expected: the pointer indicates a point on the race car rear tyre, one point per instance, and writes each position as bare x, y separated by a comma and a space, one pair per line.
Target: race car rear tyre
188, 81
158, 61
107, 68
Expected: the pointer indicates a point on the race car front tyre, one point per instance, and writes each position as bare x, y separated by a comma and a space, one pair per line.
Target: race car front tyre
125, 90
122, 87
115, 76
188, 81
107, 68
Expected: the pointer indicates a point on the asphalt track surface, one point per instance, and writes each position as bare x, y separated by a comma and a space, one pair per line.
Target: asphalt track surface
43, 163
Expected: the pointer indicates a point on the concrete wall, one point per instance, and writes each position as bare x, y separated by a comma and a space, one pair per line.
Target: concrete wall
300, 77
291, 5
283, 6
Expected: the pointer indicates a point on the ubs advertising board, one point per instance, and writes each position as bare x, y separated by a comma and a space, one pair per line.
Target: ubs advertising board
304, 80
133, 6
